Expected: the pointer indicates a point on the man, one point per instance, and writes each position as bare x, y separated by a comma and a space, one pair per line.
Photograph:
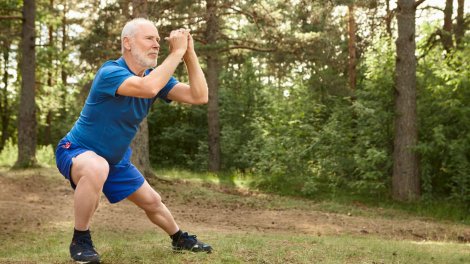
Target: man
95, 155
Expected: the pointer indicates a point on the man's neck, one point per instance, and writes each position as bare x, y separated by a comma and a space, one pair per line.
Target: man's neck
133, 65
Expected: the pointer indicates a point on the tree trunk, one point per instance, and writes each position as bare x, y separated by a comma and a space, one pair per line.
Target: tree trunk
50, 83
140, 150
388, 19
4, 104
460, 26
27, 133
405, 179
140, 143
352, 47
446, 35
212, 73
63, 71
139, 8
124, 6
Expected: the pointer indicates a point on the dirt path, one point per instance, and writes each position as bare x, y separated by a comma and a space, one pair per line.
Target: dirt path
42, 199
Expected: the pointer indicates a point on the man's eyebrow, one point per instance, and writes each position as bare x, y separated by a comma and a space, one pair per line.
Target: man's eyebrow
153, 36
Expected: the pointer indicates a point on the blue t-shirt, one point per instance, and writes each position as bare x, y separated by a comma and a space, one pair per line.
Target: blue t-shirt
108, 121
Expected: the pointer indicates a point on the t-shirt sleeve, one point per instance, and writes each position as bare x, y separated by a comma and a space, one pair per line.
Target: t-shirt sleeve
110, 78
166, 89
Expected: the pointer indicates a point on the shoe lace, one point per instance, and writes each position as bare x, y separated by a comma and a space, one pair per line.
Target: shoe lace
86, 242
186, 236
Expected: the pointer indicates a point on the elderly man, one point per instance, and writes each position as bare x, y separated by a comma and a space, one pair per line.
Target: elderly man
95, 155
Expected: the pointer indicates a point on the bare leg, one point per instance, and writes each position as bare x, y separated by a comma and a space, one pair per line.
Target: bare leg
89, 172
151, 202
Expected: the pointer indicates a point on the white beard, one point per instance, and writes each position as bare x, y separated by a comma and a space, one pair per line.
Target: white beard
142, 59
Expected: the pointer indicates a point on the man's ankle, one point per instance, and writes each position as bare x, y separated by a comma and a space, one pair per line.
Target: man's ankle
176, 235
79, 233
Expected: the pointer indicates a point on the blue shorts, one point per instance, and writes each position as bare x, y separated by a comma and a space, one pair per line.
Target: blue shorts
123, 178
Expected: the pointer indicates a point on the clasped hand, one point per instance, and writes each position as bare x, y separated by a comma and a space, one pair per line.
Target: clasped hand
180, 41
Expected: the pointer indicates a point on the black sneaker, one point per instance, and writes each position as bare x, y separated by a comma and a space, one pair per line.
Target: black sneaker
82, 250
187, 242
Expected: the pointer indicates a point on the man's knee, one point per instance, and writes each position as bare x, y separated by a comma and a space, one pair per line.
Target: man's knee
91, 168
153, 203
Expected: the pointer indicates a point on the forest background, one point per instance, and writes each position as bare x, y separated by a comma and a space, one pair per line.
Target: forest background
310, 98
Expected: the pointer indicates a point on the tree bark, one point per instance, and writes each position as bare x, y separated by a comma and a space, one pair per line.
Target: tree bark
388, 19
212, 73
50, 83
352, 47
27, 134
140, 143
405, 179
460, 26
446, 35
140, 150
4, 104
139, 8
124, 6
63, 71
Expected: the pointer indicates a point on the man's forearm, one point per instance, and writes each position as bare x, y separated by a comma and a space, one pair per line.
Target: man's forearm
158, 78
197, 80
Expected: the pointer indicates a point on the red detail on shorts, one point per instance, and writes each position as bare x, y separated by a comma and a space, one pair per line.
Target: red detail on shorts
67, 145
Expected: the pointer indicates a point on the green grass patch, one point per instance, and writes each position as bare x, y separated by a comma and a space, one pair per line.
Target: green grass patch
118, 246
340, 201
442, 210
49, 243
228, 179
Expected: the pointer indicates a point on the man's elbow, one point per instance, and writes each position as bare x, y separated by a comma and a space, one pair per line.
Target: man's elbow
205, 99
144, 89
154, 92
202, 100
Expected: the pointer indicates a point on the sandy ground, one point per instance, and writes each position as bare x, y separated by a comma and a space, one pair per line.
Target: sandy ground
42, 199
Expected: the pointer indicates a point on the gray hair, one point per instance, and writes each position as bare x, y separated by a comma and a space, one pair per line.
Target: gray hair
130, 29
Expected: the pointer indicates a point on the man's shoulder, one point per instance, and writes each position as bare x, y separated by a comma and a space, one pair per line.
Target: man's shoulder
112, 63
112, 67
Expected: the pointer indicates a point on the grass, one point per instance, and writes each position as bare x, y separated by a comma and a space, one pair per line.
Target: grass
48, 243
342, 201
150, 247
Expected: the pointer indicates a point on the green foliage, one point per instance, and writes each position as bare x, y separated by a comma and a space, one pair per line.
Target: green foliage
103, 42
314, 144
285, 130
241, 100
10, 34
178, 136
444, 145
9, 154
288, 119
373, 114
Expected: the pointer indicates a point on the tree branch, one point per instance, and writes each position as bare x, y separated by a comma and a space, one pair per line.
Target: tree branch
247, 48
10, 17
247, 14
432, 7
418, 3
430, 43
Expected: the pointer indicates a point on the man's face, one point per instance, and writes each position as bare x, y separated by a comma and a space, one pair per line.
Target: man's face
144, 45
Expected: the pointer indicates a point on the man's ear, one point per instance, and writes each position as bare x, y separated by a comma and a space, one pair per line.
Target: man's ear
127, 43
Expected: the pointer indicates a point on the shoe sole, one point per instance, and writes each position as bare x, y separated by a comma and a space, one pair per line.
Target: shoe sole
182, 251
86, 262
